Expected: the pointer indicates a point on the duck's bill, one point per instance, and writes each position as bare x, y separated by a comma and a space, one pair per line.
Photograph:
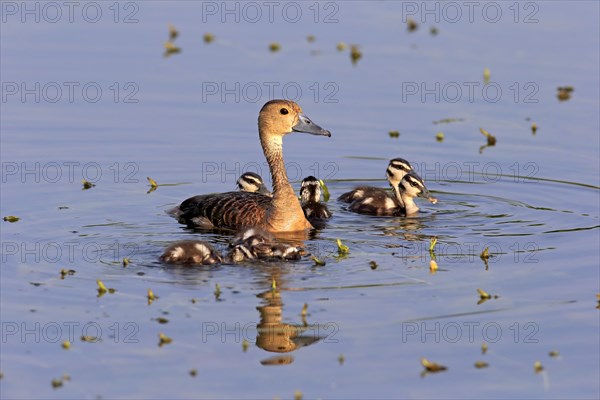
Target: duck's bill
307, 126
425, 194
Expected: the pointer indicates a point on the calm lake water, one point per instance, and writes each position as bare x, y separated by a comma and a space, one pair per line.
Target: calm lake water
87, 94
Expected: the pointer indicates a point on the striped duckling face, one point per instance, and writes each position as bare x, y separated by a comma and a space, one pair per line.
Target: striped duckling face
310, 190
253, 183
413, 186
397, 168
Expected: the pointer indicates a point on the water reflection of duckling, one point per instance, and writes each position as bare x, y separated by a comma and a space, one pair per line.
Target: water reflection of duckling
254, 243
379, 203
310, 199
253, 183
191, 252
397, 168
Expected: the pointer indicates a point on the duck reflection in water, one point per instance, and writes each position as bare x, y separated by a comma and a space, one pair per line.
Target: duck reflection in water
275, 336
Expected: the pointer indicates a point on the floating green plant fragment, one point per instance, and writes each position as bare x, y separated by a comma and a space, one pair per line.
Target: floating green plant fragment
311, 38
491, 139
89, 339
208, 37
193, 372
341, 46
273, 284
163, 339
217, 291
342, 248
432, 243
355, 54
481, 364
439, 136
245, 345
87, 184
317, 261
394, 134
125, 261
411, 25
152, 182
484, 348
341, 359
274, 47
151, 296
483, 294
433, 30
101, 288
373, 265
447, 120
538, 367
554, 353
304, 312
431, 366
162, 320
486, 75
298, 395
11, 218
171, 49
173, 32
66, 345
433, 267
534, 128
485, 254
564, 92
65, 272
56, 383
325, 189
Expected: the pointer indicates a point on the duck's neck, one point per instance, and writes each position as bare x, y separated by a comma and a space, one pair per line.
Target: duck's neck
408, 203
286, 213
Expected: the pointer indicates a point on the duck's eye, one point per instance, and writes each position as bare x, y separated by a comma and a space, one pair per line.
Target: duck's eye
284, 111
413, 183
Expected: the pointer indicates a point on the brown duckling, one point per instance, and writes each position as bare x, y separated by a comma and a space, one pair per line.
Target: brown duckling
379, 203
253, 183
191, 252
397, 168
310, 199
255, 243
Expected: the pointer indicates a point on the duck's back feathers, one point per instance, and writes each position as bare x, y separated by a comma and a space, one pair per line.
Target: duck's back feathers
190, 252
230, 210
377, 203
316, 213
359, 193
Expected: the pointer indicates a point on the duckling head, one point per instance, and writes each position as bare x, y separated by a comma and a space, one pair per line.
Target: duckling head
310, 190
397, 168
253, 183
277, 118
413, 186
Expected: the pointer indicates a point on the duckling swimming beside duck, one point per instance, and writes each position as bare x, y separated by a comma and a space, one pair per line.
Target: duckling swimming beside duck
191, 252
235, 210
397, 168
380, 203
252, 183
249, 244
310, 199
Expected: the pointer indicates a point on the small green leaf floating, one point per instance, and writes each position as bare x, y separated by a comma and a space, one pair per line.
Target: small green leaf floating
11, 218
439, 136
86, 184
373, 265
394, 134
152, 182
325, 189
432, 243
342, 248
317, 261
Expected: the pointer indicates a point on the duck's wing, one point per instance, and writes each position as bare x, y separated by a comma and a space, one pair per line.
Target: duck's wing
359, 193
377, 203
231, 210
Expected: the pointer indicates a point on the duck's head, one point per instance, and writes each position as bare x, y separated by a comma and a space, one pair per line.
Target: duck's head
251, 182
397, 168
310, 190
279, 117
413, 186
